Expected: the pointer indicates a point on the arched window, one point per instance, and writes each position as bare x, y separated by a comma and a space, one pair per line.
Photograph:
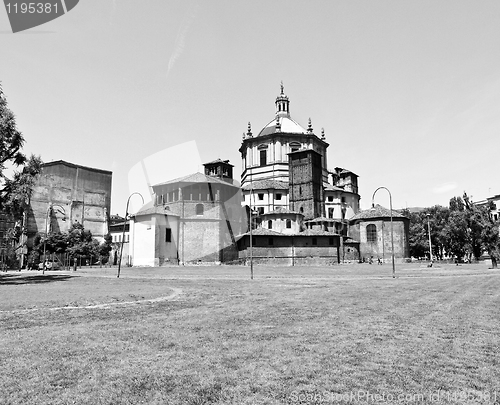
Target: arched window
263, 157
288, 223
371, 233
199, 209
294, 146
263, 154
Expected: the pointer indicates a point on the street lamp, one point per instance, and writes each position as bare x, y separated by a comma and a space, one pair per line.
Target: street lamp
392, 227
123, 232
430, 243
47, 228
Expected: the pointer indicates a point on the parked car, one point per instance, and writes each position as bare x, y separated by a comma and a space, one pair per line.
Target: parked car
49, 266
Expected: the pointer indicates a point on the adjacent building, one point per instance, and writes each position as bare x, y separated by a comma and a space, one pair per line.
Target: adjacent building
377, 234
66, 193
192, 219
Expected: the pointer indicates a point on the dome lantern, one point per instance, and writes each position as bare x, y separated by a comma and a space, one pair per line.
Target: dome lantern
282, 104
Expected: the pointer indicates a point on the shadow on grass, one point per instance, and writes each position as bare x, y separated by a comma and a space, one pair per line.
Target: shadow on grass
15, 279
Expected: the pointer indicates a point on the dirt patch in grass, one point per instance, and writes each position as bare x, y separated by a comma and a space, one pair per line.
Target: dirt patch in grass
24, 291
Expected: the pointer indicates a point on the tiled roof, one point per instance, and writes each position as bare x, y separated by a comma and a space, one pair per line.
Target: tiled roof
195, 178
376, 212
329, 187
281, 211
316, 232
264, 232
149, 209
340, 170
323, 219
307, 232
219, 160
266, 185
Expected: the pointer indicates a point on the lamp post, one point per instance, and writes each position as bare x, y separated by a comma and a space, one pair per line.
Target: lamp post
251, 227
392, 227
429, 229
123, 232
47, 228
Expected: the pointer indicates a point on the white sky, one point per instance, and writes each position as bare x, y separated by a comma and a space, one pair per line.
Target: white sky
408, 91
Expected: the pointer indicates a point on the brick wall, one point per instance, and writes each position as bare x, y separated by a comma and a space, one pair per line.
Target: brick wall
306, 188
382, 246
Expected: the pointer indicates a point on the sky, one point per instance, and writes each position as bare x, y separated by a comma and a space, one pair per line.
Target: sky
408, 92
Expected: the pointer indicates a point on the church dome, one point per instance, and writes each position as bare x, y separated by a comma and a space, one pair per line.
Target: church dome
282, 124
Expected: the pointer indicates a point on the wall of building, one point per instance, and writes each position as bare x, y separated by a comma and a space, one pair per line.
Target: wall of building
210, 215
83, 193
350, 252
142, 240
382, 246
166, 252
289, 251
116, 239
279, 221
269, 202
277, 146
306, 187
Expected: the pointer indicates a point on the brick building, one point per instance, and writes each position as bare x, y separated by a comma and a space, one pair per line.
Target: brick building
193, 219
372, 228
284, 174
66, 193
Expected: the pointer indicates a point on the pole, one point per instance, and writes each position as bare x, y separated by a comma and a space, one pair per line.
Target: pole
430, 243
392, 227
123, 232
251, 227
49, 208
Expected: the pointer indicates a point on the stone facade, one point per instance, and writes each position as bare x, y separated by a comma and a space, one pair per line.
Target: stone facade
305, 185
194, 219
372, 228
284, 171
274, 248
66, 193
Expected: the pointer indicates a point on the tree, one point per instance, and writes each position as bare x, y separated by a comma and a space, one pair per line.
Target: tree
77, 242
105, 249
490, 239
11, 140
457, 235
485, 230
437, 217
475, 225
16, 192
417, 238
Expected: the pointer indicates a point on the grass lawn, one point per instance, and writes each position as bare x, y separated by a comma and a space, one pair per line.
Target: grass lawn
210, 335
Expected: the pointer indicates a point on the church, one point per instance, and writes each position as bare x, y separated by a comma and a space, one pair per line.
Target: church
290, 208
301, 208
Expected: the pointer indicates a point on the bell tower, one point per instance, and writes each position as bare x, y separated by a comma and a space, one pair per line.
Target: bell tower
221, 169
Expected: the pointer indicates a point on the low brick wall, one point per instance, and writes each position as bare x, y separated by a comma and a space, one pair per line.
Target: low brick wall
287, 257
